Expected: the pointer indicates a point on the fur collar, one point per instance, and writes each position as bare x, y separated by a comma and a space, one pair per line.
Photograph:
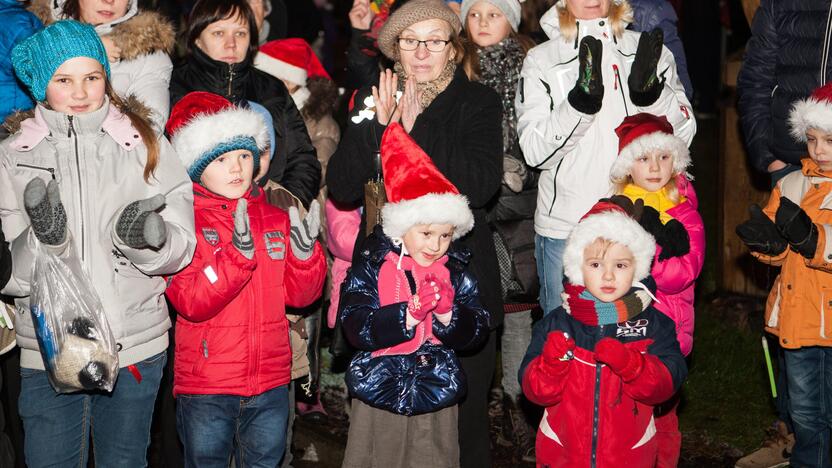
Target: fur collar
132, 104
145, 33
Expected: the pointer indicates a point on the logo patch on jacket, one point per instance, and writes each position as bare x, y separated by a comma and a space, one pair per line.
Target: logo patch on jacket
632, 329
211, 236
275, 244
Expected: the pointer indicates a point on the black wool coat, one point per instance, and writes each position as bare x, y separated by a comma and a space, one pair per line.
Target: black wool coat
461, 130
295, 164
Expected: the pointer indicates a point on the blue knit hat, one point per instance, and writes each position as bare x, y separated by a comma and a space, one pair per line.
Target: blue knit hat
36, 58
267, 118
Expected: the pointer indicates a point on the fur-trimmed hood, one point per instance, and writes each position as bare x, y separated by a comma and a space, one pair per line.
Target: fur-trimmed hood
131, 104
136, 33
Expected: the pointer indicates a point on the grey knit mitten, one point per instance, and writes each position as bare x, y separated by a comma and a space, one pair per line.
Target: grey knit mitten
242, 230
139, 225
45, 210
305, 232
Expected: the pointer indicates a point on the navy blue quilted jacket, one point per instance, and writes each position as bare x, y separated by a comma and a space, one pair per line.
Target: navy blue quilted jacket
16, 24
786, 58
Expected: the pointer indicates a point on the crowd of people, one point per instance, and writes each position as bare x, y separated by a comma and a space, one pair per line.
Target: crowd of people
496, 158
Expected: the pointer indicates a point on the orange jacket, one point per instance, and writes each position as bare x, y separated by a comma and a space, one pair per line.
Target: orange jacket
799, 306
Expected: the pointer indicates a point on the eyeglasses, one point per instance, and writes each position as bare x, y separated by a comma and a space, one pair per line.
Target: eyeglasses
433, 45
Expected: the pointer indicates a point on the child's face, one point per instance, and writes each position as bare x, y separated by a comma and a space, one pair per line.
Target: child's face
819, 144
97, 12
653, 170
427, 243
487, 24
608, 270
230, 174
77, 87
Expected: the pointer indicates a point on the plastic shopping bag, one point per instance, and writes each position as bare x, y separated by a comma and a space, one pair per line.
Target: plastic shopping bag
76, 342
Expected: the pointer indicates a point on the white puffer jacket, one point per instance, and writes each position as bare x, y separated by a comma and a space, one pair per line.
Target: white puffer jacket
576, 150
98, 162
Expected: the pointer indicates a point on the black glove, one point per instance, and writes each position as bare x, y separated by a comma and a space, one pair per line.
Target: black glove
760, 234
588, 92
645, 86
634, 210
45, 210
675, 240
139, 226
797, 228
651, 223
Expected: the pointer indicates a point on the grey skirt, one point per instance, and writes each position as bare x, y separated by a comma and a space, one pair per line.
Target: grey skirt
381, 439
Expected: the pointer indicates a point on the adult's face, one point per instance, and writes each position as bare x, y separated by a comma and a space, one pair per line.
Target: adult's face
259, 9
421, 63
97, 12
588, 9
226, 40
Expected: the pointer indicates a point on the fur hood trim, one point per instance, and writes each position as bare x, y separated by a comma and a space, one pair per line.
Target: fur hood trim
144, 33
558, 22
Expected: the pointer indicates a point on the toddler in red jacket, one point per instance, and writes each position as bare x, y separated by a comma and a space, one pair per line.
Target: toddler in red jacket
233, 360
601, 361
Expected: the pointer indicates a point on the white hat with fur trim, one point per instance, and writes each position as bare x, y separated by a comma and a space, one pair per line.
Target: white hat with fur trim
812, 112
203, 126
417, 192
642, 133
608, 221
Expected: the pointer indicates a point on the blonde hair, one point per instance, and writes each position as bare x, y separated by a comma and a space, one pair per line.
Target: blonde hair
619, 16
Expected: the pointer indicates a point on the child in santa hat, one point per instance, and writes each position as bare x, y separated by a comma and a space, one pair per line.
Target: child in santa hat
251, 261
791, 232
406, 304
601, 362
651, 167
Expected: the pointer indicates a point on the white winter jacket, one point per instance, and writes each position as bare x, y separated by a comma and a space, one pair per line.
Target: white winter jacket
98, 161
145, 39
576, 150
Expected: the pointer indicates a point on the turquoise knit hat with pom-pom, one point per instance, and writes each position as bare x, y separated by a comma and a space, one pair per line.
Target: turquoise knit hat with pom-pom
36, 58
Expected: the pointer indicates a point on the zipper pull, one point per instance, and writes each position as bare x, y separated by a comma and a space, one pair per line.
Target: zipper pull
71, 129
205, 348
617, 77
230, 77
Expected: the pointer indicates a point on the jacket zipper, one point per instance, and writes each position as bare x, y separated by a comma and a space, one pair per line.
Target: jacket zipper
824, 60
595, 405
50, 170
230, 77
74, 135
619, 86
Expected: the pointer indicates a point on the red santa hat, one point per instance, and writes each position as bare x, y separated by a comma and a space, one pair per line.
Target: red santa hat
608, 221
291, 60
812, 112
202, 126
642, 133
417, 193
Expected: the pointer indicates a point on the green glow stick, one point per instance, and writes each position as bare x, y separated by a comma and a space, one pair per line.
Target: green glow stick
770, 370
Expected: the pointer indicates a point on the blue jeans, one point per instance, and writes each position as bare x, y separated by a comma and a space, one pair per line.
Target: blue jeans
211, 427
548, 254
809, 373
58, 426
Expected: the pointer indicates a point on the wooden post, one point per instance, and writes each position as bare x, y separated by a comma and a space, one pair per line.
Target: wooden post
739, 187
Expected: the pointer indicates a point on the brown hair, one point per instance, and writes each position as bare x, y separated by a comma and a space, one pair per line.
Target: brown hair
142, 125
619, 16
206, 12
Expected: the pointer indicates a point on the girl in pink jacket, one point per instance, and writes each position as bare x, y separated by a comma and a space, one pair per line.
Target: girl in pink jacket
650, 178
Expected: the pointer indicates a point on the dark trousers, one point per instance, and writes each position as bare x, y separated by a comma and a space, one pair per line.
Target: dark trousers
474, 436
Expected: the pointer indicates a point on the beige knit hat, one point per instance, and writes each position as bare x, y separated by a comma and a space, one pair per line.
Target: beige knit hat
410, 13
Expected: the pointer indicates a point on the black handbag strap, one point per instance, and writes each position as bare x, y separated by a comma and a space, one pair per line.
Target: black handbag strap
411, 281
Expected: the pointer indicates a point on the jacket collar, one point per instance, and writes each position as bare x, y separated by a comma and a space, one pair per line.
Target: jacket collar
598, 28
47, 122
206, 199
218, 77
810, 169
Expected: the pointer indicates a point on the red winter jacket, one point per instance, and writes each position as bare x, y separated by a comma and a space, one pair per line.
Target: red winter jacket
232, 336
593, 419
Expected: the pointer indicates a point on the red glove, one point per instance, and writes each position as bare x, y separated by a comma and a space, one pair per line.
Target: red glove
557, 352
446, 293
625, 362
423, 302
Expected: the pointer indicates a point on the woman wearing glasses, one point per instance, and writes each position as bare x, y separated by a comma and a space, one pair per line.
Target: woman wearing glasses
458, 124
